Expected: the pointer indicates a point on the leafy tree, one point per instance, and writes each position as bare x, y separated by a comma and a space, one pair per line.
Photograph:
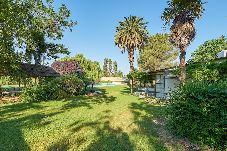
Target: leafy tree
158, 54
19, 19
181, 14
110, 67
209, 50
115, 68
202, 67
90, 68
105, 67
119, 74
95, 73
131, 34
39, 49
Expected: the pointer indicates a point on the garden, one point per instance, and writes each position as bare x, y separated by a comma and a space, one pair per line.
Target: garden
52, 98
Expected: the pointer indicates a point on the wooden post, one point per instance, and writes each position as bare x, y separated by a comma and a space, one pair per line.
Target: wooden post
155, 89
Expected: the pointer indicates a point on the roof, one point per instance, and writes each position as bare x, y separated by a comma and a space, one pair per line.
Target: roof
39, 70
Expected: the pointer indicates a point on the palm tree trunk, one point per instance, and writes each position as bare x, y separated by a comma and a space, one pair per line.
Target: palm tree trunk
182, 76
131, 62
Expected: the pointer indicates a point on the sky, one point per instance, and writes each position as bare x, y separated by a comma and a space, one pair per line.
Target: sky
97, 20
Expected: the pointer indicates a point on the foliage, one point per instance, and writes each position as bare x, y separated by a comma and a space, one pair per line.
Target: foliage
119, 74
58, 88
40, 49
142, 77
181, 14
210, 71
19, 20
110, 66
105, 68
91, 69
131, 34
67, 67
158, 54
209, 50
115, 68
198, 111
110, 69
204, 64
175, 7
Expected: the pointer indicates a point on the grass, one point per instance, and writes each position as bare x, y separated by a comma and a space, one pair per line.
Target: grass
115, 121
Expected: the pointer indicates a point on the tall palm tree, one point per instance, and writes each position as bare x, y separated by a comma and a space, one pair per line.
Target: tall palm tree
131, 35
181, 14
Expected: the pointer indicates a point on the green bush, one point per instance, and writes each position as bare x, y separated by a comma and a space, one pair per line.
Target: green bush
57, 88
198, 111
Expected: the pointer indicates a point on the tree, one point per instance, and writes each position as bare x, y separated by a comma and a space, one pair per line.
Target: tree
158, 54
105, 67
19, 20
110, 67
115, 68
90, 68
202, 66
39, 49
182, 15
131, 34
209, 50
95, 73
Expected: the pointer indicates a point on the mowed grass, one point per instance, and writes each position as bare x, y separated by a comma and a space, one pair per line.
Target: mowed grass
114, 121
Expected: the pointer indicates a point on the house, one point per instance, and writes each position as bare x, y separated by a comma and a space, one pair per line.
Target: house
165, 81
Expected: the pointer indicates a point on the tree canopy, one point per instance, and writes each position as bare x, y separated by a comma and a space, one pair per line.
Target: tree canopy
209, 50
131, 34
181, 15
26, 24
158, 54
90, 68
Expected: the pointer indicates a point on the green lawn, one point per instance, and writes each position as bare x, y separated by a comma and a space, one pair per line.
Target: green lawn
116, 121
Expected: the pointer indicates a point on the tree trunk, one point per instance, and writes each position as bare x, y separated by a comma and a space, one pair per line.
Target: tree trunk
131, 62
182, 76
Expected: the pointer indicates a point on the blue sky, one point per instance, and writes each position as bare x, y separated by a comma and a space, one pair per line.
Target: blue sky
97, 21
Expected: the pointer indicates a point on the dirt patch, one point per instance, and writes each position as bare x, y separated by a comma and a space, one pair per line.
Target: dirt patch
176, 144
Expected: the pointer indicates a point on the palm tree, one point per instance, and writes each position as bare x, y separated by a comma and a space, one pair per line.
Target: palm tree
182, 15
131, 34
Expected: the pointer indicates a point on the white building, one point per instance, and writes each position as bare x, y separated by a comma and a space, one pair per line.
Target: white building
166, 82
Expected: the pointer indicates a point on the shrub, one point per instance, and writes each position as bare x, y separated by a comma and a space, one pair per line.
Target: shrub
198, 111
57, 88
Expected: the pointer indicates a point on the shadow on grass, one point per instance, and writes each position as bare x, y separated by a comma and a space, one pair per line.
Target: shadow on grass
88, 101
11, 130
149, 120
14, 108
106, 137
126, 91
